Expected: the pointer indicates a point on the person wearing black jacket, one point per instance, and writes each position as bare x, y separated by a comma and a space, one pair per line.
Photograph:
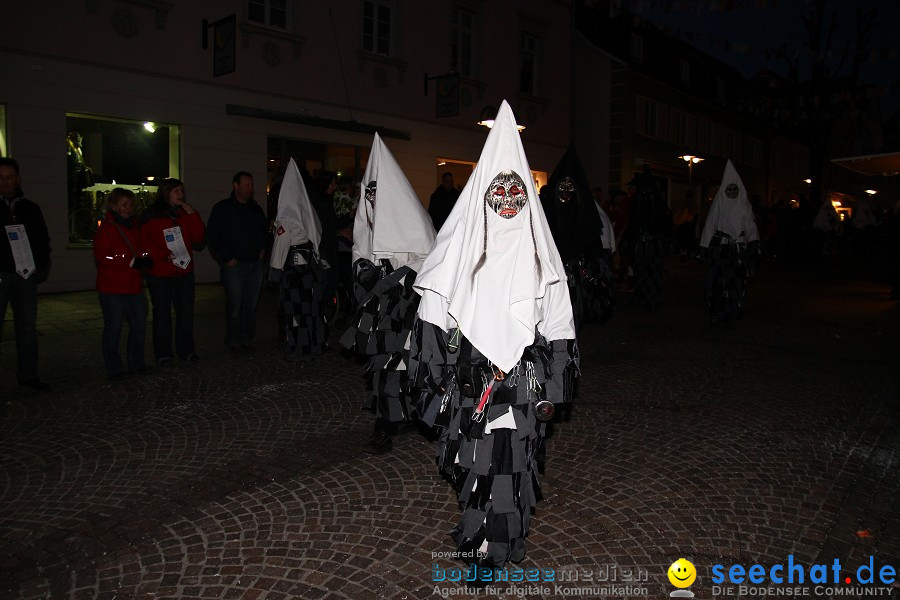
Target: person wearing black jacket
236, 235
442, 201
24, 255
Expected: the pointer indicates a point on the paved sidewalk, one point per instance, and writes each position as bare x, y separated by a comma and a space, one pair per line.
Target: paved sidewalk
244, 476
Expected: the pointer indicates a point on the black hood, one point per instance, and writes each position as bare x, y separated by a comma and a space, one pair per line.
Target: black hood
575, 223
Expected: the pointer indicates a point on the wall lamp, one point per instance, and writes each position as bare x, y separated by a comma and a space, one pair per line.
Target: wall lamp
489, 113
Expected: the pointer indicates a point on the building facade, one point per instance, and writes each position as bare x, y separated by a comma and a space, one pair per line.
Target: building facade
104, 93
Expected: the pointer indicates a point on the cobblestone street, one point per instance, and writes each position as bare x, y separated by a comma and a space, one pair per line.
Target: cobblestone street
244, 476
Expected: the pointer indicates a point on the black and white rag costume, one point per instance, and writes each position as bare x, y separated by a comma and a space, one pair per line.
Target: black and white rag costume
606, 281
392, 234
730, 243
494, 346
647, 238
295, 253
578, 233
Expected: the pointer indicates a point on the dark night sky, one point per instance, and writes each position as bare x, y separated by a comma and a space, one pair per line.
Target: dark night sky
758, 24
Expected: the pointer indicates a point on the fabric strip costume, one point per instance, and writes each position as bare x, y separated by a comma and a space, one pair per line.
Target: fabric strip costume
494, 347
392, 234
298, 268
730, 243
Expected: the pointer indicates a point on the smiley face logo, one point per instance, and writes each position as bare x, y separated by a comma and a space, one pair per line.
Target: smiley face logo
682, 573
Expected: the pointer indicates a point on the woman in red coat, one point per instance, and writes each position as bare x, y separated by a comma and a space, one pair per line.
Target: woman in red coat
119, 258
170, 229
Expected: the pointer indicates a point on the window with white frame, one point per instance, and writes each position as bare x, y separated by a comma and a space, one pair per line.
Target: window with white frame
705, 141
462, 41
752, 152
271, 13
637, 48
529, 74
378, 26
727, 146
648, 117
678, 133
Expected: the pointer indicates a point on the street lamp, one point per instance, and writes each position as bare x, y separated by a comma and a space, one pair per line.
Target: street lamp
691, 160
871, 192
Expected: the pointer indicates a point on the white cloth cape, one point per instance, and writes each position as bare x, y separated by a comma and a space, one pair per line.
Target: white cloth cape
401, 229
827, 219
609, 236
731, 216
507, 301
296, 221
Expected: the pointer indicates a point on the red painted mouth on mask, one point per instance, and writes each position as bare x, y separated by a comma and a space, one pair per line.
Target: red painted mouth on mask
508, 212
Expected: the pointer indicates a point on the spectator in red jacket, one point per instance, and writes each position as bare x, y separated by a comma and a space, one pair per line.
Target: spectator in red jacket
170, 230
119, 259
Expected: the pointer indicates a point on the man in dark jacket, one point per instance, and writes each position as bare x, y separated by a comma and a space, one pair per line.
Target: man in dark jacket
442, 201
236, 234
24, 254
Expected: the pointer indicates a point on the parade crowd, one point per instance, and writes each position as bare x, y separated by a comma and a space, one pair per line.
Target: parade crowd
466, 314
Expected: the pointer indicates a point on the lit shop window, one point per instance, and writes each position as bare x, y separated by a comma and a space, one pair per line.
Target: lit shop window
103, 153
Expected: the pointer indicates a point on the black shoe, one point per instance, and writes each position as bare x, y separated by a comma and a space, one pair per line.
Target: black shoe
192, 358
35, 384
380, 443
140, 370
165, 361
119, 376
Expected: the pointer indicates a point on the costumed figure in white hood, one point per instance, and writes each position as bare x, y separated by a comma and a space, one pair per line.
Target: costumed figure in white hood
577, 229
392, 234
729, 245
827, 224
296, 264
494, 347
649, 229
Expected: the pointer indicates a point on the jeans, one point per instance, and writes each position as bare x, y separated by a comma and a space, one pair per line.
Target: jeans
166, 293
116, 309
242, 283
22, 295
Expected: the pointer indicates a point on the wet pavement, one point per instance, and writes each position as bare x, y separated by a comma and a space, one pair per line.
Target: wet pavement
244, 476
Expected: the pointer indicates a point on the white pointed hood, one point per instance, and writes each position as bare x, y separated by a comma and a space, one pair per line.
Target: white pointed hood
609, 236
500, 307
295, 211
827, 219
733, 216
397, 227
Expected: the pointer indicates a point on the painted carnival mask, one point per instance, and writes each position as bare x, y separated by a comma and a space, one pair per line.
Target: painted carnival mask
370, 193
370, 201
565, 190
732, 190
506, 195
